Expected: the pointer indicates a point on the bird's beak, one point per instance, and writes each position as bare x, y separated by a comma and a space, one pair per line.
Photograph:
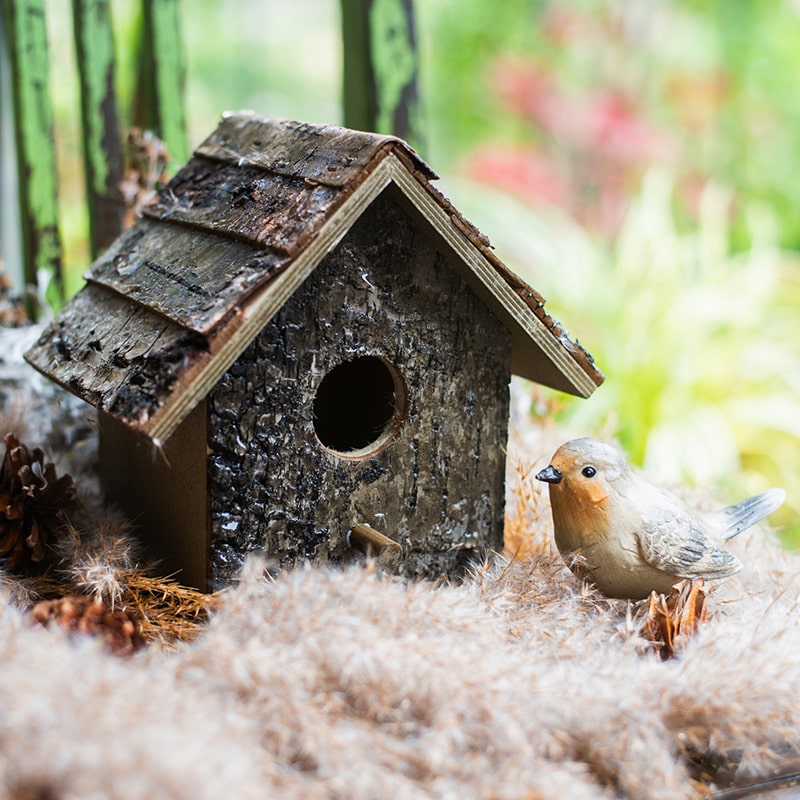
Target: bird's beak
549, 474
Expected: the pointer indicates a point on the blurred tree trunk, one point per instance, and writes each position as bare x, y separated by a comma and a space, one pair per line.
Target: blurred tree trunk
381, 66
102, 145
159, 100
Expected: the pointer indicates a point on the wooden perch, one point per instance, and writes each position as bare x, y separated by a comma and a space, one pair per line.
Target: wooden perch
373, 543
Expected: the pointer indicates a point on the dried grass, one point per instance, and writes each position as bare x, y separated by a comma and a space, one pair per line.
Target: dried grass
169, 613
520, 682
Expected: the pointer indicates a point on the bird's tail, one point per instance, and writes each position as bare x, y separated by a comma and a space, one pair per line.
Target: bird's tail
736, 518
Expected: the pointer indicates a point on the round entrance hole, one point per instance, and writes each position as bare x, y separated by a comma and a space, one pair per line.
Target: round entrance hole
359, 407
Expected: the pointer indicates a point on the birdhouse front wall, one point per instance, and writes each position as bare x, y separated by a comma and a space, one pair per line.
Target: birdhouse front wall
378, 394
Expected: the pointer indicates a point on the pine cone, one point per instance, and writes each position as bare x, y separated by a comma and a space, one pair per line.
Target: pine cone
88, 616
33, 506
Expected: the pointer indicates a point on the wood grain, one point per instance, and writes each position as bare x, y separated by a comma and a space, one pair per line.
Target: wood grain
115, 355
190, 277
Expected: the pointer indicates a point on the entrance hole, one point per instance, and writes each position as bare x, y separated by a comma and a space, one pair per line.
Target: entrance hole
359, 407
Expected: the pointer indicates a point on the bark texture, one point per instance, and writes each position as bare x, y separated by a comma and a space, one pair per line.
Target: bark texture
437, 487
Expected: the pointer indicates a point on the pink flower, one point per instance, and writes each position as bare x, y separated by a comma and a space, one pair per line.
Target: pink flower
519, 170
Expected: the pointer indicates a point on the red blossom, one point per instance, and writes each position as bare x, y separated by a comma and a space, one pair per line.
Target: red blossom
592, 147
518, 170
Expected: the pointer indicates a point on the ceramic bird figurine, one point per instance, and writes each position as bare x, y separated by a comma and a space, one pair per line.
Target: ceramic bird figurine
629, 537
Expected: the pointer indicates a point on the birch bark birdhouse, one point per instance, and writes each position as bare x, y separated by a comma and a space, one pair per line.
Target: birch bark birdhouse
301, 335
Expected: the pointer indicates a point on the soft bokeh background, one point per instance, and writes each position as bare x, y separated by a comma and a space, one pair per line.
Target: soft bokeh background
636, 161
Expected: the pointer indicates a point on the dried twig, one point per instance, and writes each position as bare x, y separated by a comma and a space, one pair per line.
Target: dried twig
169, 612
678, 614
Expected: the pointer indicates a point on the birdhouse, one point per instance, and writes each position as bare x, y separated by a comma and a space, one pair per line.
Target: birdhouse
299, 338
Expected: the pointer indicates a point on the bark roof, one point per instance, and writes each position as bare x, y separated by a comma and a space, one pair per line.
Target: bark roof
171, 304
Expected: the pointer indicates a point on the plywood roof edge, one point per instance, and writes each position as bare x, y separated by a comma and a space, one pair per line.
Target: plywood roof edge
532, 299
391, 162
262, 304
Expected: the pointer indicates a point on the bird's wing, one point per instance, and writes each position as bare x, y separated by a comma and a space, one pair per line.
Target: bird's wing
734, 519
674, 542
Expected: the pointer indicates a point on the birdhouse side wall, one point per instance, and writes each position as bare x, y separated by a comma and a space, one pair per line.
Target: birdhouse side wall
162, 489
437, 486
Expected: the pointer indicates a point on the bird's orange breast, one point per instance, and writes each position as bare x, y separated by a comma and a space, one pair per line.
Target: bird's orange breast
580, 517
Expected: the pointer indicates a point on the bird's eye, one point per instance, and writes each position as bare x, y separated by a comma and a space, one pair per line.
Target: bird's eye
589, 472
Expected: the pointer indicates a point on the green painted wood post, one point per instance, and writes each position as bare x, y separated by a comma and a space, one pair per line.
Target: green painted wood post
26, 30
159, 105
102, 145
381, 60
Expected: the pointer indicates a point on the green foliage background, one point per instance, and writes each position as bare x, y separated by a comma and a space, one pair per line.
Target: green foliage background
690, 300
635, 161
